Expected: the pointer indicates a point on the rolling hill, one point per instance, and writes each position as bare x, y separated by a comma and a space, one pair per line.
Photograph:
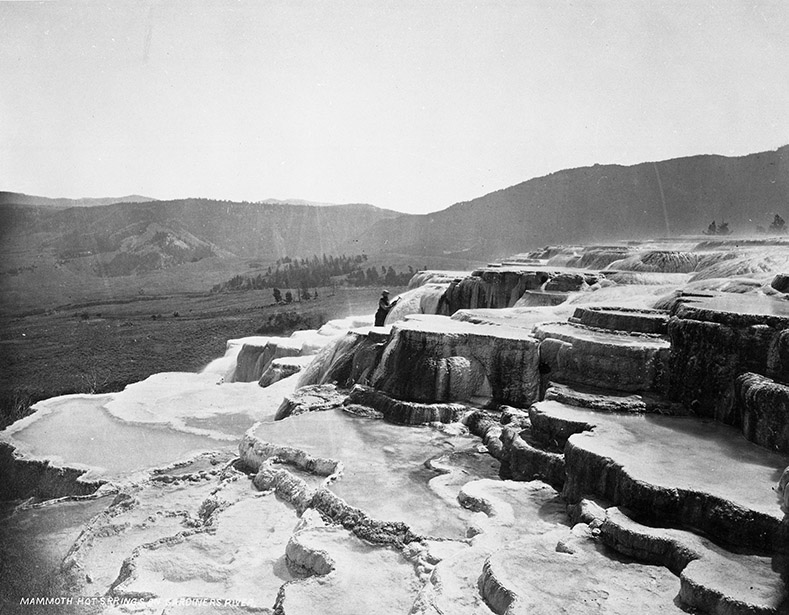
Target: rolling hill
599, 203
62, 255
184, 230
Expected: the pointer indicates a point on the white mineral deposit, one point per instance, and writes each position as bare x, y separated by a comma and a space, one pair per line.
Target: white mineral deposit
619, 448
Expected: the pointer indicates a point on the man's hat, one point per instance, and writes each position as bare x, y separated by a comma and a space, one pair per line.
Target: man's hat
386, 292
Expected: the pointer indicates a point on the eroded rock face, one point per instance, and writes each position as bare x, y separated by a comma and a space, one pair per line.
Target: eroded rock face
438, 359
712, 345
764, 405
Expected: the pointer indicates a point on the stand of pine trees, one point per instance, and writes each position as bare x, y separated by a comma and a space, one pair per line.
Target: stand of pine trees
304, 274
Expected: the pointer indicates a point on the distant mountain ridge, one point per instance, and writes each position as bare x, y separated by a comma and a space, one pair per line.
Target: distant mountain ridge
312, 203
599, 203
17, 198
45, 240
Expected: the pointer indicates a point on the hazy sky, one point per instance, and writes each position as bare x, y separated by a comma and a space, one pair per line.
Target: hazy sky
410, 105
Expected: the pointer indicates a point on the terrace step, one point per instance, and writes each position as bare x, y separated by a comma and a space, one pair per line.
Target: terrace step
592, 582
604, 400
720, 485
711, 579
623, 319
526, 458
578, 354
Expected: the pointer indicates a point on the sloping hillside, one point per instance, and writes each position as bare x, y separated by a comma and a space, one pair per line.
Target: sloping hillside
265, 231
50, 256
600, 203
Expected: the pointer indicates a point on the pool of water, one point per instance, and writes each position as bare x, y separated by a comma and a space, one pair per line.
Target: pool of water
387, 469
79, 432
715, 459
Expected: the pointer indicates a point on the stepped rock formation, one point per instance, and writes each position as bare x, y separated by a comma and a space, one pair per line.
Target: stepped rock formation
592, 430
437, 359
713, 344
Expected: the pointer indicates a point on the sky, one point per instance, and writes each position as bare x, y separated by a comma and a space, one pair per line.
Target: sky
408, 105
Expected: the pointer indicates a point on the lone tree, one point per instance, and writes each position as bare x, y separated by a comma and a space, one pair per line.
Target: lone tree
277, 295
288, 297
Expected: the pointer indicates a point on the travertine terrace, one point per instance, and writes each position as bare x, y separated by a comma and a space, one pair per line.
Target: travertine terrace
580, 429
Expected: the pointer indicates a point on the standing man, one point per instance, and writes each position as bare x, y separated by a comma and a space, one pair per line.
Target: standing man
383, 308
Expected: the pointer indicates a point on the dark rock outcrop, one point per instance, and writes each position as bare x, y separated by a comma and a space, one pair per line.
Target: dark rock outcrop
781, 283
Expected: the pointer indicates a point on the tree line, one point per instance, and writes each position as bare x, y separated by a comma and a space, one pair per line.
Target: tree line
310, 273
